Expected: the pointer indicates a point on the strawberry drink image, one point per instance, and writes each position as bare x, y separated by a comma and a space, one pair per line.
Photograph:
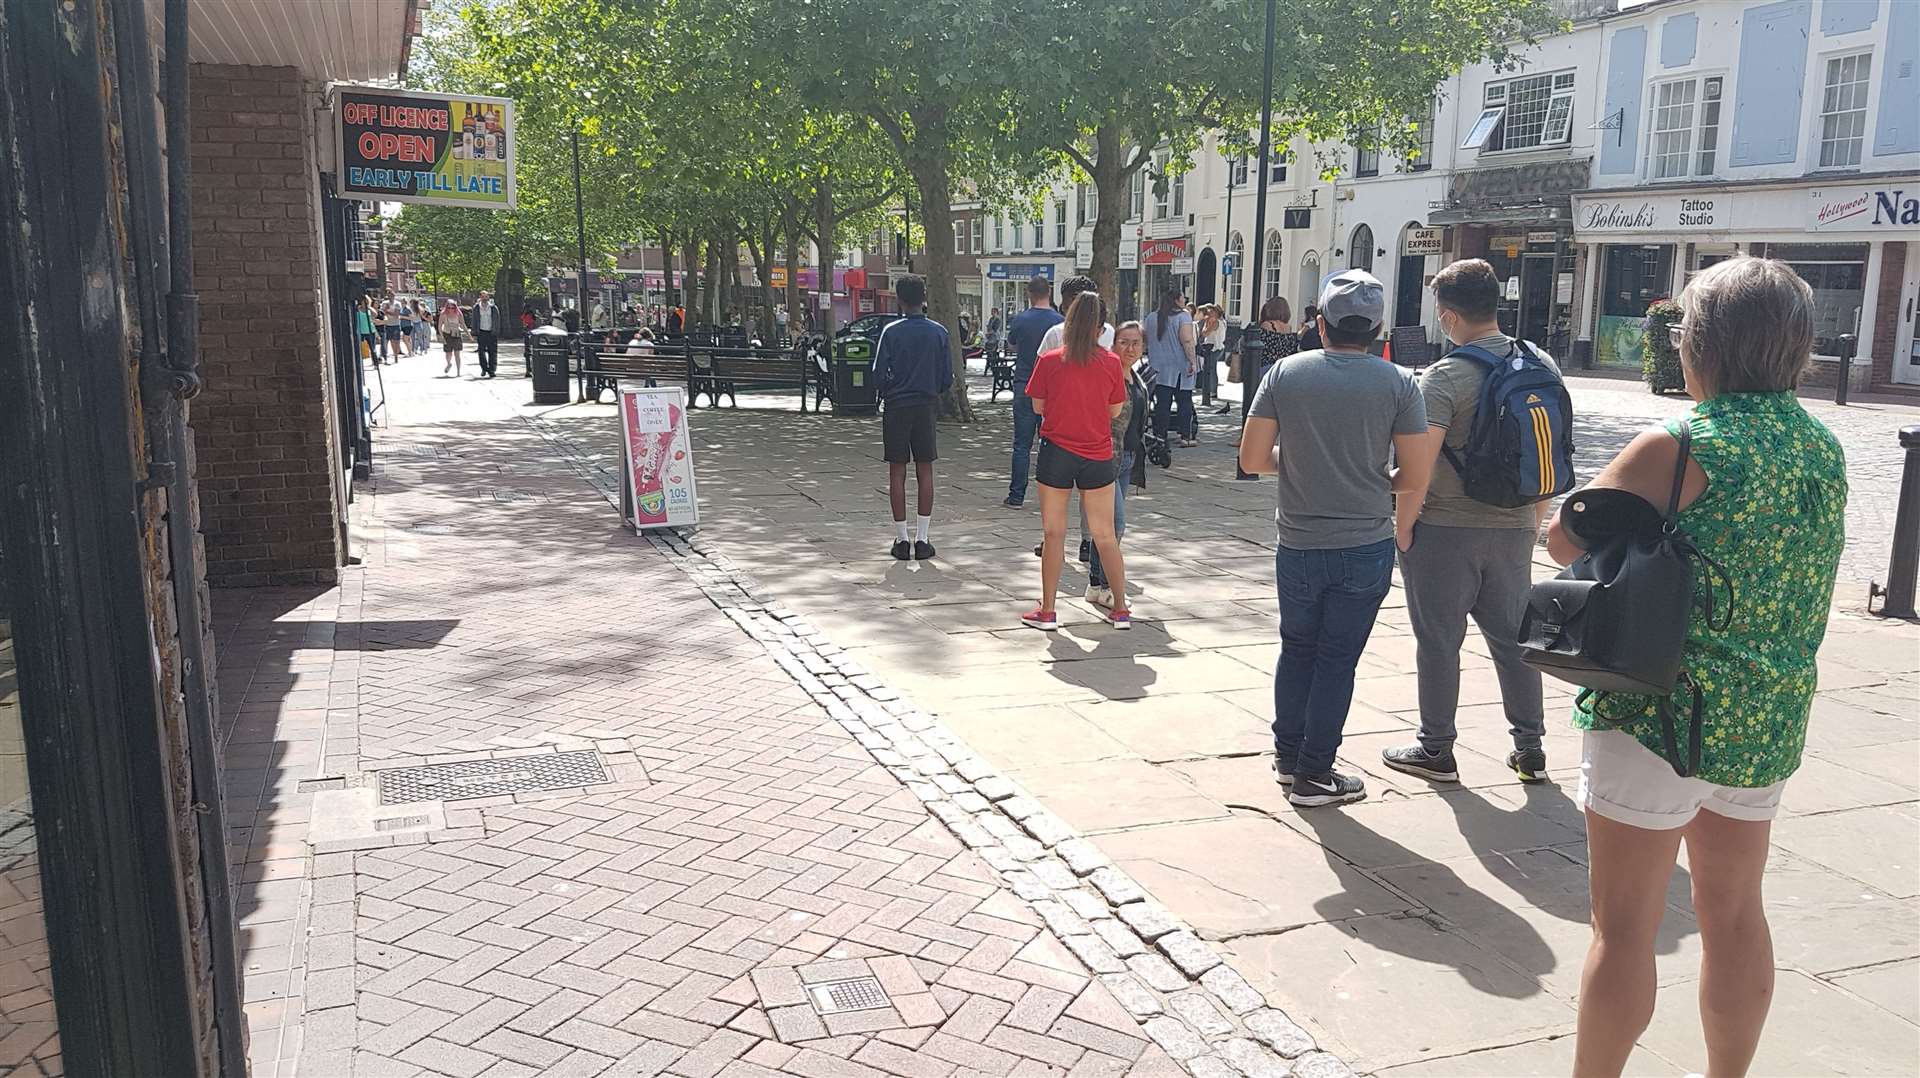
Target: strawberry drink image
653, 425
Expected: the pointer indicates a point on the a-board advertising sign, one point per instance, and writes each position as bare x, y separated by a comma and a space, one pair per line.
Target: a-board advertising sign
659, 457
440, 149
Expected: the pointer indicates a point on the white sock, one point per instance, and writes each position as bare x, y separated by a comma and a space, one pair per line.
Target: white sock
900, 529
921, 525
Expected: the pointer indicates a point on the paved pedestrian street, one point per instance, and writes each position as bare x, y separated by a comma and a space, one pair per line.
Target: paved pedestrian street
1427, 931
720, 876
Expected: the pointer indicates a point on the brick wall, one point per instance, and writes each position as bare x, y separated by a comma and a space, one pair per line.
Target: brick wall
1886, 318
263, 427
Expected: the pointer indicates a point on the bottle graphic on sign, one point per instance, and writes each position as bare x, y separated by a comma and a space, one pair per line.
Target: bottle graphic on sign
652, 429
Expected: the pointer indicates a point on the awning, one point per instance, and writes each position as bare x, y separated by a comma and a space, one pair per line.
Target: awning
327, 40
1517, 215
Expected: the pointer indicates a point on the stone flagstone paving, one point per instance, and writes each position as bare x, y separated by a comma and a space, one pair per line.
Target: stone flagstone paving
1427, 931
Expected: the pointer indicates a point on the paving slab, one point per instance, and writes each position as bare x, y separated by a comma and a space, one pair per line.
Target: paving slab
1812, 1028
1345, 981
1245, 874
1529, 1059
1111, 795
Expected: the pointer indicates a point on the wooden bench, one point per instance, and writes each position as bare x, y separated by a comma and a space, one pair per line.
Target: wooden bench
720, 370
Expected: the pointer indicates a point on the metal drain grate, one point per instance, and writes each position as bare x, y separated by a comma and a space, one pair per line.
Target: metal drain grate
484, 778
430, 527
858, 994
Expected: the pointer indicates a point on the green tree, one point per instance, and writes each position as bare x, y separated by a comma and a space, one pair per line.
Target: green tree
1133, 77
938, 77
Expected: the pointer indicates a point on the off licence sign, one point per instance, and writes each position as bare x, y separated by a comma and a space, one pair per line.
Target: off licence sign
405, 146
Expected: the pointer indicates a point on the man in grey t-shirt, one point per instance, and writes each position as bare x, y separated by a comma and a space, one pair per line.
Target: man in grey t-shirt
1325, 421
1461, 557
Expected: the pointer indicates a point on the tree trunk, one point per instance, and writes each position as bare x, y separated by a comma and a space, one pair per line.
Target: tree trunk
691, 257
795, 237
760, 249
715, 286
666, 265
1110, 181
824, 225
929, 164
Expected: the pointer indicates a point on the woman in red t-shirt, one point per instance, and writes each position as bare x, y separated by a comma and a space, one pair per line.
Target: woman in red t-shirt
1077, 390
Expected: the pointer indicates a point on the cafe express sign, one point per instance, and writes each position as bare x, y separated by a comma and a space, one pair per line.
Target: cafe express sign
1886, 208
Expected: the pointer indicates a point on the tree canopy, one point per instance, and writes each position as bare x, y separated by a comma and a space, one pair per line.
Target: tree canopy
710, 123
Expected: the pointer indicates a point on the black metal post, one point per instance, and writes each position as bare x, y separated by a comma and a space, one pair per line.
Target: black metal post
1226, 284
1251, 345
1849, 344
580, 237
1897, 597
906, 235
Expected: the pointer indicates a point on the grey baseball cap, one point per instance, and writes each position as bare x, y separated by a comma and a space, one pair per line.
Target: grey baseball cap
1353, 294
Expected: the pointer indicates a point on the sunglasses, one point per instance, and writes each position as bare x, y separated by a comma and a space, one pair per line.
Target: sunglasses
1676, 333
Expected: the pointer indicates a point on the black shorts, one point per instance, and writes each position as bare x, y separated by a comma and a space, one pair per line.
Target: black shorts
1062, 470
906, 433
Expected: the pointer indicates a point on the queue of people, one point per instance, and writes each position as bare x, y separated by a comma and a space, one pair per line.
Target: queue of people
1375, 467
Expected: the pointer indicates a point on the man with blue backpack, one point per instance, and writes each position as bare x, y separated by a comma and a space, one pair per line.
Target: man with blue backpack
1500, 446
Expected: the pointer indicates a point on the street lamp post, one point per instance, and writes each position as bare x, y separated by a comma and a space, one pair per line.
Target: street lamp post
1226, 283
1251, 346
580, 230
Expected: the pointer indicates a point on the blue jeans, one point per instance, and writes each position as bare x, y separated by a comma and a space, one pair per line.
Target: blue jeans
1123, 464
1328, 599
1025, 425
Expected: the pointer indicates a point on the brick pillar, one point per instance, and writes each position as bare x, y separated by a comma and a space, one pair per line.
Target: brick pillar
264, 426
1886, 318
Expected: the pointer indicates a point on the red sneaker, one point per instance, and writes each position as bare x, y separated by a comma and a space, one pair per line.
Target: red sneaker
1044, 620
1120, 619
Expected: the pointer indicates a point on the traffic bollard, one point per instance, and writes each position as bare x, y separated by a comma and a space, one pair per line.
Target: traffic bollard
1896, 599
1849, 344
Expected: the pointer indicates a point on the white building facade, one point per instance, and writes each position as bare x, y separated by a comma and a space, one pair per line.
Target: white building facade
1786, 129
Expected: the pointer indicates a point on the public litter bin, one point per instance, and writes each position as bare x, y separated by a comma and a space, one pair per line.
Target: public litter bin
549, 349
853, 391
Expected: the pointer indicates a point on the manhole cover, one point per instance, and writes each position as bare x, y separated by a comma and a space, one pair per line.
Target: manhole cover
858, 994
484, 778
430, 527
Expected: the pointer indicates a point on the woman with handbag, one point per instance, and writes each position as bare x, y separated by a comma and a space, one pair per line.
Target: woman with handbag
453, 332
1760, 491
1277, 340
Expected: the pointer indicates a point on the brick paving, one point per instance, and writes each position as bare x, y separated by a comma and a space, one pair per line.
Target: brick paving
749, 854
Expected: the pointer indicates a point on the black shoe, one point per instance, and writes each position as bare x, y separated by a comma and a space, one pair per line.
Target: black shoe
903, 550
1039, 550
1529, 764
1282, 774
923, 551
1013, 502
1414, 759
1328, 788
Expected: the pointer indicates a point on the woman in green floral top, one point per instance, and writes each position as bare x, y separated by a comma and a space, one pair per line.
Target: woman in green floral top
1765, 496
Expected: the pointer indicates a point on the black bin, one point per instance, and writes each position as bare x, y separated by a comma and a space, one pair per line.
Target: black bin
853, 391
548, 349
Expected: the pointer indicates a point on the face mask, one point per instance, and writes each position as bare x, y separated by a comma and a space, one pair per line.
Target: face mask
1445, 331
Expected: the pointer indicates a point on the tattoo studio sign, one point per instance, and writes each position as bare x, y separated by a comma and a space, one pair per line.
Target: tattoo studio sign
1631, 214
406, 146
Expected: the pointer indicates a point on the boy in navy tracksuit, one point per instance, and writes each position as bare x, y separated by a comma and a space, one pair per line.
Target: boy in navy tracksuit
912, 367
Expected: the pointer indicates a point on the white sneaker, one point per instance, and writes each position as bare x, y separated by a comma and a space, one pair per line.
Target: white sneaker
1099, 596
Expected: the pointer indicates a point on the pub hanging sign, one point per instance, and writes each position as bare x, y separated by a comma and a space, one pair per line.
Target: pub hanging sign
438, 149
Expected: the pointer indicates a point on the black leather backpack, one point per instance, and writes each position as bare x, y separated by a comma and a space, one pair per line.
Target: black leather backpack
1615, 621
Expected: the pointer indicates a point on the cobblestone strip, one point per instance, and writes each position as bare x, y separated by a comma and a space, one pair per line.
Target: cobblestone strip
1195, 1007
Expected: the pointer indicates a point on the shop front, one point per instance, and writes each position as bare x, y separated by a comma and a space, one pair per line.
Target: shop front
1164, 264
1851, 243
1004, 284
1518, 218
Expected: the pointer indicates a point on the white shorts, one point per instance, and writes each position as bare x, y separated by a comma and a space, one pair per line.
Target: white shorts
1629, 783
